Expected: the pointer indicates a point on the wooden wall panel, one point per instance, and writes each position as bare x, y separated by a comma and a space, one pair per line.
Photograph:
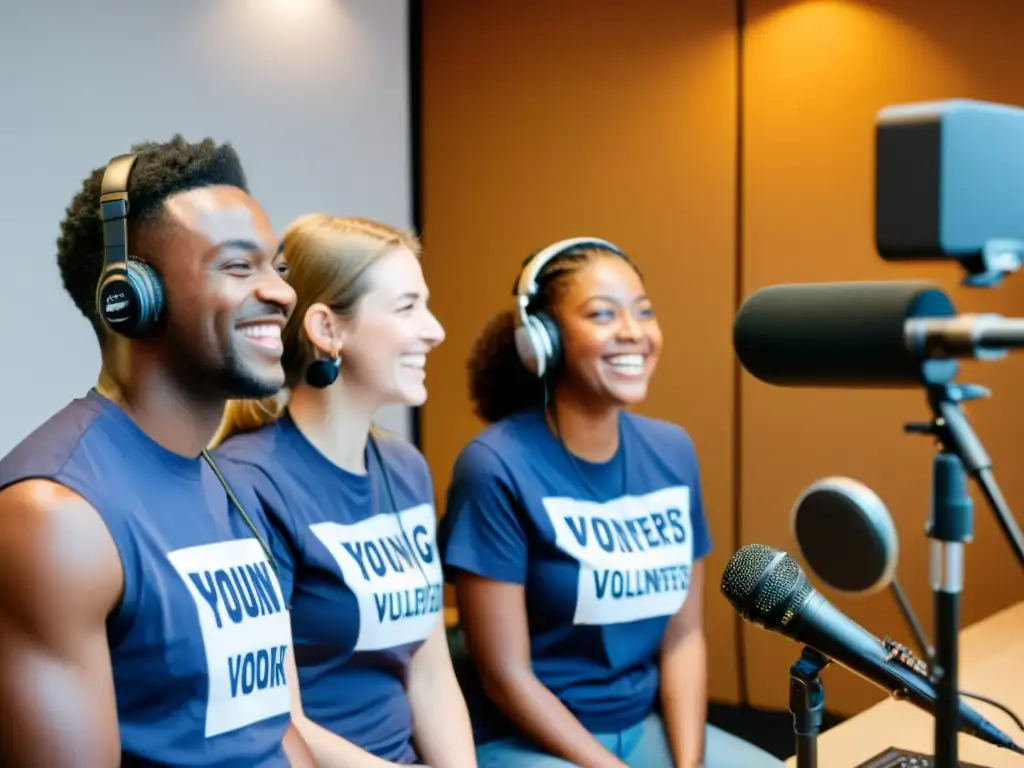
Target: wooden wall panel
815, 74
544, 120
547, 120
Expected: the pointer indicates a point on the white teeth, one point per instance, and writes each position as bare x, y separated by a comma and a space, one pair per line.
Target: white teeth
627, 365
627, 361
263, 331
414, 361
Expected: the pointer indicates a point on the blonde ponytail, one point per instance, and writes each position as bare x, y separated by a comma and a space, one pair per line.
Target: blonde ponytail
249, 415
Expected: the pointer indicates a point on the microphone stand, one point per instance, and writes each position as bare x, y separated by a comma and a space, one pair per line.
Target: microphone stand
950, 527
807, 704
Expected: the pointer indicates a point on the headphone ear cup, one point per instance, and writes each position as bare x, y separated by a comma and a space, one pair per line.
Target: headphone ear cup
552, 341
538, 344
526, 347
147, 292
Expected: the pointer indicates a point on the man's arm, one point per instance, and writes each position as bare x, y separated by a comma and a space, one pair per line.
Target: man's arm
60, 576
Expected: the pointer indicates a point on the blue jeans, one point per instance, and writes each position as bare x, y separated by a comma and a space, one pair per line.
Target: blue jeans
643, 745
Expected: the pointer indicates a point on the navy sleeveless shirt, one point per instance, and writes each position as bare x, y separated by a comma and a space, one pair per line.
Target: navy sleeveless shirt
198, 640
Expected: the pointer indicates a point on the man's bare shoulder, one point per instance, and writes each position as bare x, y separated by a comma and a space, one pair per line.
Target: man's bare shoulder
60, 577
54, 546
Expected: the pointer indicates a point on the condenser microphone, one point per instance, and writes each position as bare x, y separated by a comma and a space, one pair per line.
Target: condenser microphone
768, 588
885, 334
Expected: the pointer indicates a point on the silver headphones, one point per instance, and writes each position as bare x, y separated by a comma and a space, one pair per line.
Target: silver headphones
537, 339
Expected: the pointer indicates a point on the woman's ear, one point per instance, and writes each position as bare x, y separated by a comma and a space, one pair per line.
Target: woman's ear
323, 330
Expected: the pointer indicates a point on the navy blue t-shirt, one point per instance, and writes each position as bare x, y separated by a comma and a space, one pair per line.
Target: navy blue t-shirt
604, 552
364, 576
198, 641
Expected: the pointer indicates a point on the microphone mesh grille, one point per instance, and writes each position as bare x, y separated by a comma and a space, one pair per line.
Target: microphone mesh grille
764, 584
778, 587
743, 571
802, 593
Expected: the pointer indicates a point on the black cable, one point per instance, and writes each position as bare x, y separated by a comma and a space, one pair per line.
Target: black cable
928, 651
393, 501
996, 704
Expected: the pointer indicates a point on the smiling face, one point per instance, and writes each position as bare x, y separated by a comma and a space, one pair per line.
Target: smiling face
227, 300
385, 343
610, 337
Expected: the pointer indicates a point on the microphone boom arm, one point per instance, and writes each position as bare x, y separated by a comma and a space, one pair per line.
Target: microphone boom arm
981, 336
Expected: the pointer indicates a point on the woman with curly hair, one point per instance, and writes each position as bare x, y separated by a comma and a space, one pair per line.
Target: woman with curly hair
575, 535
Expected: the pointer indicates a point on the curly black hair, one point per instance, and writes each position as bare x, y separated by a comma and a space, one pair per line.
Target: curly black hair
499, 384
162, 170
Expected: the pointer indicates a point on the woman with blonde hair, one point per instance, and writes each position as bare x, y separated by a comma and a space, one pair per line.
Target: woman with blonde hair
353, 508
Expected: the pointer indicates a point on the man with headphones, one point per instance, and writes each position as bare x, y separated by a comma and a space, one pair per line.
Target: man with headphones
575, 534
143, 623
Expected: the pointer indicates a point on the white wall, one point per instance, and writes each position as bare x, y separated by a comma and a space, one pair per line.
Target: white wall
312, 93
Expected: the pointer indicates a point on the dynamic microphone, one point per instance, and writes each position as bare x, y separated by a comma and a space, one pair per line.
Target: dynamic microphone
768, 588
886, 334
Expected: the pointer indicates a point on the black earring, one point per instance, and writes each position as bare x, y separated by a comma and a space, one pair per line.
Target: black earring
323, 373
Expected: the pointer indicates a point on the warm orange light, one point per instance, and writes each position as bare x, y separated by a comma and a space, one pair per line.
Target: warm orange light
858, 43
819, 26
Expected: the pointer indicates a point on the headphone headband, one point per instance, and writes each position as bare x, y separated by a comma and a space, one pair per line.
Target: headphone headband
129, 294
526, 286
114, 213
538, 342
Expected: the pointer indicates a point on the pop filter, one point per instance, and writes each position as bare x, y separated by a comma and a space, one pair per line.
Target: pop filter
848, 539
846, 535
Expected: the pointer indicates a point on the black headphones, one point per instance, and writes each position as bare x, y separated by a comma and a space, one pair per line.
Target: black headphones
537, 339
129, 295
